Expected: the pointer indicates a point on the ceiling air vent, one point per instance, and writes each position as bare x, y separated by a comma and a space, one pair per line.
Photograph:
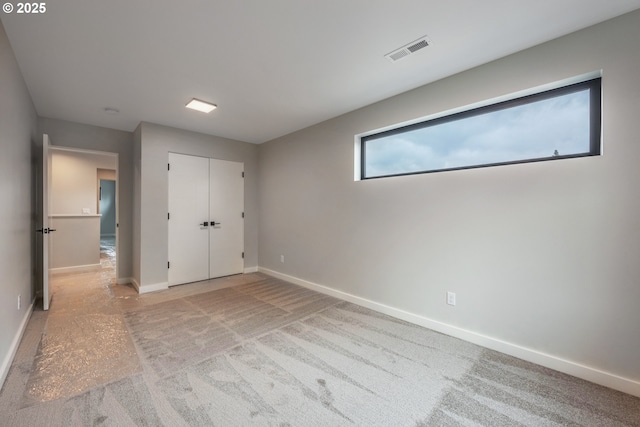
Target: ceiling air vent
408, 49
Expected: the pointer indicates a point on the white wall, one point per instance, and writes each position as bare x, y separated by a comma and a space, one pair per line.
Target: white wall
75, 246
74, 180
137, 197
152, 146
544, 257
18, 126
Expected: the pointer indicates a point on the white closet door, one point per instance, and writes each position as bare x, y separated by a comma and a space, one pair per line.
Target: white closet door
226, 208
188, 210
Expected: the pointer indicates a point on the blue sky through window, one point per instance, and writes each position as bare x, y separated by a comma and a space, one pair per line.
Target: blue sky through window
530, 131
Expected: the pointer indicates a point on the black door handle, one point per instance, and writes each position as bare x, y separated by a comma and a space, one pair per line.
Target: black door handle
205, 224
213, 223
51, 230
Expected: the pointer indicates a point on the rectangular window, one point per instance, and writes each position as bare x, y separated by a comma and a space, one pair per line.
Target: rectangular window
555, 124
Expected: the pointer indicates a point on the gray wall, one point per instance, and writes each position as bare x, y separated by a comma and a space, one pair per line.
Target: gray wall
155, 143
541, 255
87, 137
137, 197
18, 133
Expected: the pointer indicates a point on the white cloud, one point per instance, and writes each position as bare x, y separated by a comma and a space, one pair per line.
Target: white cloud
524, 132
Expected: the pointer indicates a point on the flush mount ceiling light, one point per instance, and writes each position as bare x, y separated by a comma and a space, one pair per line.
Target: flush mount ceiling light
205, 107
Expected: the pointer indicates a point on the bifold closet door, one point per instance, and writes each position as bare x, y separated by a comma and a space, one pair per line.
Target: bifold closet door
188, 214
226, 206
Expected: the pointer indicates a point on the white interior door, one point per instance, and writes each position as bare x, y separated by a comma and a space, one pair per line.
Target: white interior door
45, 230
226, 206
188, 211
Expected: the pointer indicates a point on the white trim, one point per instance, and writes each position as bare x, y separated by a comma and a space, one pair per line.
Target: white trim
6, 363
357, 157
508, 97
594, 375
248, 270
135, 284
83, 150
145, 289
117, 169
75, 215
75, 269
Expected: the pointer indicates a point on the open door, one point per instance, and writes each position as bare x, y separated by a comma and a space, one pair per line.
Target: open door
44, 229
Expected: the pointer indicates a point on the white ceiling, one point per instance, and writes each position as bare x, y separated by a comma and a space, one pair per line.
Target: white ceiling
271, 66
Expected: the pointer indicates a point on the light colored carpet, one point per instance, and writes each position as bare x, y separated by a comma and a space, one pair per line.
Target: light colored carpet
253, 350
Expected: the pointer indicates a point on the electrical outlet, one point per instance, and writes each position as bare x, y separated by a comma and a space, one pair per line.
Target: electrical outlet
282, 259
451, 298
19, 302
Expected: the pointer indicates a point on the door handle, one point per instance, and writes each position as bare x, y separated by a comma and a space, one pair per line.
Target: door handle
205, 224
213, 223
45, 230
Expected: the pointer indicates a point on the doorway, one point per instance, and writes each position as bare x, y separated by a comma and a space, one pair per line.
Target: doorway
67, 204
107, 208
75, 210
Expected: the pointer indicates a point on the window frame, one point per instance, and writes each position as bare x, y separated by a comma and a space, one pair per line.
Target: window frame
594, 84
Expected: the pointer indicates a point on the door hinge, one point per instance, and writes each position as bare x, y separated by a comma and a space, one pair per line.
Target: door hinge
168, 264
242, 254
168, 166
168, 215
243, 174
242, 214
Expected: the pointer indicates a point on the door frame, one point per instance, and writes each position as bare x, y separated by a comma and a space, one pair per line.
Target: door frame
44, 201
61, 148
209, 227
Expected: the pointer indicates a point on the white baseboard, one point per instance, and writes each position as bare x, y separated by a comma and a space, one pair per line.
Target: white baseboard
6, 363
76, 269
135, 284
593, 375
145, 289
248, 270
125, 281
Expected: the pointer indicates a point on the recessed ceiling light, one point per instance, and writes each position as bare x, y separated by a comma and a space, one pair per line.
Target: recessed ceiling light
111, 110
205, 107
